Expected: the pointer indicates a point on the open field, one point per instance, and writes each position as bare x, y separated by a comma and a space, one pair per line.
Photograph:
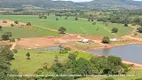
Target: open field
26, 32
38, 58
82, 26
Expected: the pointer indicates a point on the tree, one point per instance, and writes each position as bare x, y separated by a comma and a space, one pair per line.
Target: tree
6, 56
94, 23
28, 24
0, 27
76, 18
15, 51
28, 56
126, 25
64, 49
16, 22
66, 18
57, 19
5, 37
62, 30
72, 56
56, 59
139, 29
114, 30
45, 17
106, 40
8, 33
40, 17
12, 25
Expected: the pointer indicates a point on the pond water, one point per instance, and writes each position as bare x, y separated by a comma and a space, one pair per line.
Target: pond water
132, 53
49, 48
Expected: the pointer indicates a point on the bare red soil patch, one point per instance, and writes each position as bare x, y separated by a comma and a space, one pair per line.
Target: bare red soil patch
47, 41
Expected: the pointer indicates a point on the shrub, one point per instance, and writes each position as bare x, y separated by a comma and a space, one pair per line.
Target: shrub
62, 30
109, 78
0, 27
4, 21
15, 50
94, 23
12, 25
18, 39
139, 29
16, 22
5, 37
114, 30
133, 24
28, 24
76, 19
139, 79
57, 19
12, 40
106, 40
126, 25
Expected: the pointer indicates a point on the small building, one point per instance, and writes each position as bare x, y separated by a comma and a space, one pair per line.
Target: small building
113, 39
85, 41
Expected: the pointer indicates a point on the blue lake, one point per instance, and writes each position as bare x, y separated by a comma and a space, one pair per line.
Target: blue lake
132, 53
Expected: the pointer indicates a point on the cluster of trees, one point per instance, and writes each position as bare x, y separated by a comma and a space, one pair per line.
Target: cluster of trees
42, 16
6, 36
6, 56
95, 66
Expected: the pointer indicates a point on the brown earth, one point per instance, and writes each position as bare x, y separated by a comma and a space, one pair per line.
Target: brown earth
9, 22
47, 41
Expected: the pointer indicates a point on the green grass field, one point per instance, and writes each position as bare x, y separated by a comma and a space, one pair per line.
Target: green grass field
82, 26
38, 58
25, 32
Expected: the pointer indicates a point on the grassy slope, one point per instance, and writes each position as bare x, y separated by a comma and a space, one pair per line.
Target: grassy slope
81, 26
38, 58
20, 32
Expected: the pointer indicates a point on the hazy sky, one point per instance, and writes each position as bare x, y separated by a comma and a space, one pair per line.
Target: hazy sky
78, 0
87, 0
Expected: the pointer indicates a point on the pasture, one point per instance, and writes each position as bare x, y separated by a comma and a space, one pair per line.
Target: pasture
38, 59
26, 32
82, 26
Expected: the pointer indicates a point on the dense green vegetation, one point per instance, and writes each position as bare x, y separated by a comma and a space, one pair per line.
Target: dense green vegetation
81, 26
6, 56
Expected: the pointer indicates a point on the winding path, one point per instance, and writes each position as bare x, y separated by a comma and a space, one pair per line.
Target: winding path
13, 45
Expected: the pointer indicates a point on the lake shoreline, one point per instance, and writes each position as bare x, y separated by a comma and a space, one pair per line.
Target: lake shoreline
136, 65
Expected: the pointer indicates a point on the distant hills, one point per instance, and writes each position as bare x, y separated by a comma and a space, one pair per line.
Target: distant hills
95, 4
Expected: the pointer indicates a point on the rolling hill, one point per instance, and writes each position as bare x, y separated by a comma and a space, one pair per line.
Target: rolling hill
100, 4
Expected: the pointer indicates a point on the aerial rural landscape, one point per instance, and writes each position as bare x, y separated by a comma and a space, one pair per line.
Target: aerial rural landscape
70, 40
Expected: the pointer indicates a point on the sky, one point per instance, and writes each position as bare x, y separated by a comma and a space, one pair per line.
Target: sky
87, 0
78, 0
